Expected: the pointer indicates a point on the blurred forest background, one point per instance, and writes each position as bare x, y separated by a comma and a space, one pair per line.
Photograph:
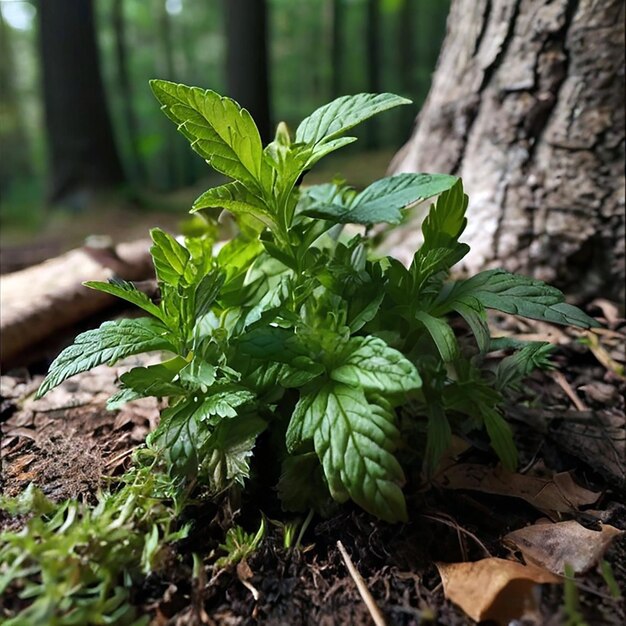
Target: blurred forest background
74, 75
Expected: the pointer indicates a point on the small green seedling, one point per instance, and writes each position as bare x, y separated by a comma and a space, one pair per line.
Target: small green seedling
296, 329
240, 544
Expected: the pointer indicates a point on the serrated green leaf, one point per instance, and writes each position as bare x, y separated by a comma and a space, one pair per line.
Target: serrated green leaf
107, 344
122, 397
473, 312
320, 150
127, 291
306, 417
355, 441
342, 114
171, 259
207, 292
141, 382
446, 220
368, 362
431, 264
302, 486
501, 437
234, 197
179, 439
382, 201
272, 343
221, 403
236, 257
441, 334
229, 449
197, 375
361, 311
398, 192
515, 367
519, 295
218, 128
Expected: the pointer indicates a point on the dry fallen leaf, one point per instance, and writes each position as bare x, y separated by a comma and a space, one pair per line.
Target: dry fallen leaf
609, 309
493, 589
559, 493
552, 546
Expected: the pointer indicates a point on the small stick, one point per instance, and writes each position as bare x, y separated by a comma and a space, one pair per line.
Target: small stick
364, 592
120, 456
561, 381
459, 529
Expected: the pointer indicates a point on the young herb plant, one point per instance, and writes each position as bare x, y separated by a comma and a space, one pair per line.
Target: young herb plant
296, 329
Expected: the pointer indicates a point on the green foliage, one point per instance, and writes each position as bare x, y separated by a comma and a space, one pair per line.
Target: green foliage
74, 564
240, 544
381, 202
295, 329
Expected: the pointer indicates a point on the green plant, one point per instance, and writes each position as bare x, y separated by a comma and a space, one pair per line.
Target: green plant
74, 564
240, 544
297, 329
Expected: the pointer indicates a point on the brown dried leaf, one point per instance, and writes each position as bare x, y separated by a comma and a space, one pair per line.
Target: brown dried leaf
559, 493
493, 589
552, 546
610, 311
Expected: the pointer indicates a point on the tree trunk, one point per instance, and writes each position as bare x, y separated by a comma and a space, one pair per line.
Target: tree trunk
336, 48
13, 134
246, 59
82, 153
126, 89
373, 66
527, 106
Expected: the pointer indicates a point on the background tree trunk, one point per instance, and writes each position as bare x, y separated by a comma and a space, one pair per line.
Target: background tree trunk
246, 59
336, 49
372, 56
83, 156
127, 90
13, 135
527, 106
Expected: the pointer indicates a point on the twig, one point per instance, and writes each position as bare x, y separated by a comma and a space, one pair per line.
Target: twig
364, 592
561, 381
251, 588
459, 529
119, 457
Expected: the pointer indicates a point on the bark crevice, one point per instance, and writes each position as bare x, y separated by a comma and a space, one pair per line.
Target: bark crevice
527, 106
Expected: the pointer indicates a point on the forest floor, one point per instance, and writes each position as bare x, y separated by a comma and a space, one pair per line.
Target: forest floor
570, 428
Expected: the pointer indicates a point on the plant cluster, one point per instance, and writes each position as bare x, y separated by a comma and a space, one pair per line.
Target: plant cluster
75, 564
297, 330
351, 367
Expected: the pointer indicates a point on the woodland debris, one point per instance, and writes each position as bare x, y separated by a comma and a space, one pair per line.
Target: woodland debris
561, 381
556, 494
43, 299
553, 546
493, 588
364, 592
602, 355
56, 441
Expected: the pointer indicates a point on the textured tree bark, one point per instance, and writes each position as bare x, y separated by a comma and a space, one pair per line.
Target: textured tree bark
246, 59
83, 156
527, 106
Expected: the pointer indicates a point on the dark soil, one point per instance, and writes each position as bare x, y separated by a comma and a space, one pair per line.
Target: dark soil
66, 443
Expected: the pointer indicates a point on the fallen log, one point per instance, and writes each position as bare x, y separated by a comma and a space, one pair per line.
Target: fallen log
43, 299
